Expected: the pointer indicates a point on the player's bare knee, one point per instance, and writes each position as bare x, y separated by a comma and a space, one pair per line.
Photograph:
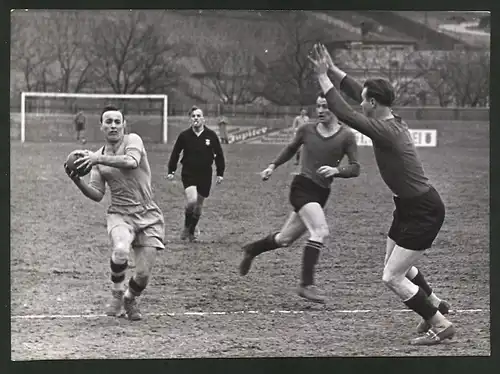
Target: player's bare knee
142, 277
319, 233
390, 279
283, 240
120, 253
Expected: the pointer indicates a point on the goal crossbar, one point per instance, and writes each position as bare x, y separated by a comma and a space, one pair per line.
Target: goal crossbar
24, 95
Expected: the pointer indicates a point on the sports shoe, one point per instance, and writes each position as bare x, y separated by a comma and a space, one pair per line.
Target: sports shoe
424, 326
131, 308
246, 263
192, 238
311, 293
114, 308
435, 336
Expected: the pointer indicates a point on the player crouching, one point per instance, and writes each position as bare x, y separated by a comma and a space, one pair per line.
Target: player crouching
133, 218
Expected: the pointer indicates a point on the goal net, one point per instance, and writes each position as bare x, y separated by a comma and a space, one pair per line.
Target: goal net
51, 116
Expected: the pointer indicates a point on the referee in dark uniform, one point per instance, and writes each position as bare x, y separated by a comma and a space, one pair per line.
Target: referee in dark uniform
200, 146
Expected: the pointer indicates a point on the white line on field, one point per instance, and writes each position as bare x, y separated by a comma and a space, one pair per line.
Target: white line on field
173, 314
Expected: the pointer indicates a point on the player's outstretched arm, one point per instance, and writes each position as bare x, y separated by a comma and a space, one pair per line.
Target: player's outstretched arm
176, 152
94, 191
353, 169
220, 161
341, 80
291, 149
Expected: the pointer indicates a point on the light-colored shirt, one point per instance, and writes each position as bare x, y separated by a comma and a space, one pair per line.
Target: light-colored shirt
131, 190
299, 121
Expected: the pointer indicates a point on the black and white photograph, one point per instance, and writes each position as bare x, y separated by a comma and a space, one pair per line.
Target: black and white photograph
249, 183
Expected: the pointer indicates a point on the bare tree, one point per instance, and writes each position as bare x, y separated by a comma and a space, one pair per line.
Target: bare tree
130, 55
458, 77
395, 65
290, 78
229, 73
69, 32
31, 52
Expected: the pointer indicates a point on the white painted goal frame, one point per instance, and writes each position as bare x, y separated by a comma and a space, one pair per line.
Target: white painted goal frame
24, 95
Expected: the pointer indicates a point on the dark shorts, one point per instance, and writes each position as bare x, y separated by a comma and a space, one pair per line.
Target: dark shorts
417, 220
79, 126
202, 181
304, 191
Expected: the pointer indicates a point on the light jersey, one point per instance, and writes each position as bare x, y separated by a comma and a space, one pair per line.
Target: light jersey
131, 190
299, 122
318, 151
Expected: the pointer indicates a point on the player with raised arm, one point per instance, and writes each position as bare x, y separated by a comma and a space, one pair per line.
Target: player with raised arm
324, 145
298, 122
133, 218
200, 146
419, 211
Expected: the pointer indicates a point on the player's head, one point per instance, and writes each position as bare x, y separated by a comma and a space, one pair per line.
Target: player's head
112, 124
303, 112
377, 95
196, 117
324, 114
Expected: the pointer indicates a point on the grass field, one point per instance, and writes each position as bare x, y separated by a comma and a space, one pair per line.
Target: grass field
198, 306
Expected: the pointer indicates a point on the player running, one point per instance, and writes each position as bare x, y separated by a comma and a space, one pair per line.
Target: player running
324, 143
419, 211
200, 146
298, 122
133, 218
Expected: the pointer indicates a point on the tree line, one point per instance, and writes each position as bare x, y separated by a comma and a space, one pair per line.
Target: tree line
236, 62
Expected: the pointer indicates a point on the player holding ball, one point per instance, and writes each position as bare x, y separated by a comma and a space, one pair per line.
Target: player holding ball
134, 221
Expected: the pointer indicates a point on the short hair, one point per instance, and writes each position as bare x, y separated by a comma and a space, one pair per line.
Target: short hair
381, 90
108, 108
193, 108
321, 94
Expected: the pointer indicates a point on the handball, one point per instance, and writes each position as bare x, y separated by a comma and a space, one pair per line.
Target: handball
70, 162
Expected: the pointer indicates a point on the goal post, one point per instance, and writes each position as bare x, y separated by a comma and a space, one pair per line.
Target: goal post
134, 116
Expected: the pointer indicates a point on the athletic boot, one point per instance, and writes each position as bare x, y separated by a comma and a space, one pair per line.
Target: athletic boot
424, 326
114, 308
311, 293
435, 336
131, 308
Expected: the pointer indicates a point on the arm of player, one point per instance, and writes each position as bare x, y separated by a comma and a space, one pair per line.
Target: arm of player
336, 103
353, 168
95, 189
176, 152
220, 162
291, 149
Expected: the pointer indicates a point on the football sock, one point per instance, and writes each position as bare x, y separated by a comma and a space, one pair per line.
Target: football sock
188, 216
194, 221
134, 289
118, 274
263, 245
420, 281
309, 260
420, 305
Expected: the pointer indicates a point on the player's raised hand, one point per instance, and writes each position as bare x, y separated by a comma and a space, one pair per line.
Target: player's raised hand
326, 55
170, 177
318, 60
327, 171
219, 180
266, 173
71, 173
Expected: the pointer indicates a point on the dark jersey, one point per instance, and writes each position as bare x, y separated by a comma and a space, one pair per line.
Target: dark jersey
395, 152
318, 151
199, 152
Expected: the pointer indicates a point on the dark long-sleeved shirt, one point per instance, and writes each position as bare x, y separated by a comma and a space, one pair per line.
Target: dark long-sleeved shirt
318, 151
395, 152
199, 153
